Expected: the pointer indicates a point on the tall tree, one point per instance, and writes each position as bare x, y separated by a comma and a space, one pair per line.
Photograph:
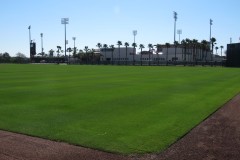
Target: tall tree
204, 44
69, 50
105, 46
141, 46
113, 48
168, 46
176, 45
184, 44
216, 48
86, 50
213, 41
119, 43
58, 50
134, 47
51, 52
221, 47
194, 44
126, 44
150, 46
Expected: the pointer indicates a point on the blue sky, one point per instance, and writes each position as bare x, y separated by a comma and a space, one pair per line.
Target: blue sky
107, 21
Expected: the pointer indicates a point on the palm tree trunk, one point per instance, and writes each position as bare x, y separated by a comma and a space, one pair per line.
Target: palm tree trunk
126, 56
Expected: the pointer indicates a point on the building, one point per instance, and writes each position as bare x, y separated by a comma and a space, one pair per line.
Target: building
233, 55
161, 55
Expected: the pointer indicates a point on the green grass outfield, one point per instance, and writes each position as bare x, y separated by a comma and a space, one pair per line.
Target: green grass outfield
123, 109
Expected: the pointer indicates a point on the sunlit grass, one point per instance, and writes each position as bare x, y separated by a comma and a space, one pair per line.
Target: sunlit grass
113, 108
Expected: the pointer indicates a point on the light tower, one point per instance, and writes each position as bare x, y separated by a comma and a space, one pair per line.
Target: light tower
65, 21
211, 22
179, 32
74, 49
134, 35
175, 20
42, 41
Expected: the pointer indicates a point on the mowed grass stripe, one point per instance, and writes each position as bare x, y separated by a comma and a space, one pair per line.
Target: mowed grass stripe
123, 109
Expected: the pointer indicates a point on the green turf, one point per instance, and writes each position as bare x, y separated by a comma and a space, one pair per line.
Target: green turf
112, 108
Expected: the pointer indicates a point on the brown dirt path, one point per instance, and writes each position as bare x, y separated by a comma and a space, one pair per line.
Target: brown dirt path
218, 137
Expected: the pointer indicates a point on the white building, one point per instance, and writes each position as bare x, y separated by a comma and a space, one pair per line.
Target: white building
162, 55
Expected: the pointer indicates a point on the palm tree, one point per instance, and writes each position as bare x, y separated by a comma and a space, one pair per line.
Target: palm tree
175, 44
204, 44
141, 46
99, 45
105, 46
134, 46
69, 50
184, 44
168, 46
51, 53
150, 46
188, 41
157, 53
194, 44
216, 50
119, 43
126, 44
212, 40
86, 50
113, 48
59, 49
221, 47
93, 56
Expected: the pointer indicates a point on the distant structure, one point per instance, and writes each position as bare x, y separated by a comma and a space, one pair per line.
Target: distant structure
233, 55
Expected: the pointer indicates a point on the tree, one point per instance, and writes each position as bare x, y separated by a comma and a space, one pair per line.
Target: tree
134, 46
126, 44
221, 47
150, 46
141, 46
99, 45
6, 57
51, 53
69, 50
212, 40
59, 50
74, 52
20, 58
119, 43
92, 57
168, 46
195, 43
176, 45
157, 53
113, 48
184, 44
105, 46
204, 45
216, 50
86, 50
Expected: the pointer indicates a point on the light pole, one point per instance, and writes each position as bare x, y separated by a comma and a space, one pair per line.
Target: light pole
211, 22
29, 28
179, 32
74, 49
42, 42
134, 35
65, 21
175, 20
